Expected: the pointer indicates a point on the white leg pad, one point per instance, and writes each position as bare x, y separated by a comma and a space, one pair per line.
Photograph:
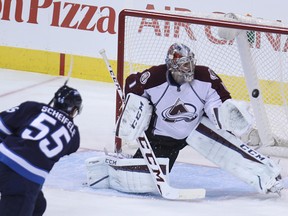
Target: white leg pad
97, 172
125, 175
132, 175
231, 154
135, 117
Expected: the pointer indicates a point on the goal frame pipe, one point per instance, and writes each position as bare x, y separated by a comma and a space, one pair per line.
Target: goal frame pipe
256, 101
175, 18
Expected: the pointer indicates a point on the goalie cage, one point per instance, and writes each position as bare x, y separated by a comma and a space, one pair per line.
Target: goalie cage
254, 62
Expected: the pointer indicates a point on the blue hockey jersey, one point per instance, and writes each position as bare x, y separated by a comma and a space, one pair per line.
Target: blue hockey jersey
33, 137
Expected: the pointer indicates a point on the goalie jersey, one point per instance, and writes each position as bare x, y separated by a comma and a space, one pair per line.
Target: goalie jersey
33, 137
178, 108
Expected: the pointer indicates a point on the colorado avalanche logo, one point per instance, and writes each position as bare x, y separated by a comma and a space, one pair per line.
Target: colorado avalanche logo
180, 111
144, 77
213, 76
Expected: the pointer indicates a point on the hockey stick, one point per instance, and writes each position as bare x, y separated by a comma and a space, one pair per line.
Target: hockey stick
70, 70
68, 76
116, 83
164, 189
118, 147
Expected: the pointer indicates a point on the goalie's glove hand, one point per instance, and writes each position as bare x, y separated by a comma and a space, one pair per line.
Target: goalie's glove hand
234, 116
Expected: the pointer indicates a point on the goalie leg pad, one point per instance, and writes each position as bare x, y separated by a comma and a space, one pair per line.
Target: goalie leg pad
135, 117
126, 175
97, 172
133, 176
229, 153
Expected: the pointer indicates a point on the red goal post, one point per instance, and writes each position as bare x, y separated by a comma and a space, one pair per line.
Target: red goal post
253, 55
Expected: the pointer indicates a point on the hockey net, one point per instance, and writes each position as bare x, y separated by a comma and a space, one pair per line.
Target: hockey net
251, 55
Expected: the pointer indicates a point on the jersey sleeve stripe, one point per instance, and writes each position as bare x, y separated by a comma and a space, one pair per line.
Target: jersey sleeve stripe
21, 166
4, 129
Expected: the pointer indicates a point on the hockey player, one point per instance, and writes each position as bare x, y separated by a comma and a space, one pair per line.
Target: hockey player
33, 137
189, 105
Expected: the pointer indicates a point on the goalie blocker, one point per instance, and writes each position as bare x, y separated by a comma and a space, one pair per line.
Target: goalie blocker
135, 118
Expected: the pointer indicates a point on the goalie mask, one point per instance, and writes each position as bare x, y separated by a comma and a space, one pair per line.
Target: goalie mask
68, 100
181, 63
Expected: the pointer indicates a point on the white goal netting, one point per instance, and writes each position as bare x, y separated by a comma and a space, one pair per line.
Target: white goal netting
260, 62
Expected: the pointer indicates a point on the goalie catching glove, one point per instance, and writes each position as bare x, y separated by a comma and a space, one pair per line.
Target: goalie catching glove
234, 116
135, 117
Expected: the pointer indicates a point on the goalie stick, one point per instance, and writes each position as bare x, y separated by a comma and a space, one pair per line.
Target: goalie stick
164, 189
68, 76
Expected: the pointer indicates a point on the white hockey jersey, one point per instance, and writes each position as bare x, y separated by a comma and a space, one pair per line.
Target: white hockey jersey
178, 109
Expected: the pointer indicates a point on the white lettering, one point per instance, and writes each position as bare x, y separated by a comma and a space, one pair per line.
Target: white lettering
62, 118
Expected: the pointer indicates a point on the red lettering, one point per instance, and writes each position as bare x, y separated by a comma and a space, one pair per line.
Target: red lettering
7, 9
156, 26
167, 24
56, 14
150, 23
208, 33
34, 9
285, 45
111, 19
258, 40
106, 23
187, 29
18, 12
88, 17
275, 42
70, 16
150, 7
153, 23
186, 26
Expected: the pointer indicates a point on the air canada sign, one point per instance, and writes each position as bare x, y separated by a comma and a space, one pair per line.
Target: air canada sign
64, 14
102, 19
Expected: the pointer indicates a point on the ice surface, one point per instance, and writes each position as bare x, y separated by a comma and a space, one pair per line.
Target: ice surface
65, 187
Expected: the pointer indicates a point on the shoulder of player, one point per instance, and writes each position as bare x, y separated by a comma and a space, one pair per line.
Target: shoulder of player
148, 78
37, 107
30, 105
154, 76
205, 74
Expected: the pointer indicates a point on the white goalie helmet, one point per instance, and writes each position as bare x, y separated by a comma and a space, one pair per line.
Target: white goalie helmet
181, 63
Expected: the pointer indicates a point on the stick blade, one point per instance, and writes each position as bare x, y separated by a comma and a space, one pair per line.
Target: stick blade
184, 194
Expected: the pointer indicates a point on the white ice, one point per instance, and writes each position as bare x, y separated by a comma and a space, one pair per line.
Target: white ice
65, 188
